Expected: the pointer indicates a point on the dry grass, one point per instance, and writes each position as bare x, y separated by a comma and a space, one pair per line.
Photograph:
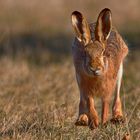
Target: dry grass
41, 102
38, 92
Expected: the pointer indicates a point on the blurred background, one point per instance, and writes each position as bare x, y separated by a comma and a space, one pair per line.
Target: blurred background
39, 96
35, 27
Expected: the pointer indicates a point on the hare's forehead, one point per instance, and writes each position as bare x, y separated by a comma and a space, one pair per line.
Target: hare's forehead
94, 49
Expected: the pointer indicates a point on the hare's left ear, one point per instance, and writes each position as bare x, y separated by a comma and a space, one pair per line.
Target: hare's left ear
81, 27
103, 25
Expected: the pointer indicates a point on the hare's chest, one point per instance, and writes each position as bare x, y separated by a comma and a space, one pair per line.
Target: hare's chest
91, 86
99, 87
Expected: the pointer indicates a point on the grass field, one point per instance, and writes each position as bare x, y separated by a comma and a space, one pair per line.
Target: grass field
39, 96
41, 101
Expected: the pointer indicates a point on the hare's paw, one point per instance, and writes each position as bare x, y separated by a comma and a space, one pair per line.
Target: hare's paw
93, 124
82, 120
118, 120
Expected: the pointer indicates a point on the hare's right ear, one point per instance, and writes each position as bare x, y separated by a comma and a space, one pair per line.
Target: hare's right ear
103, 25
81, 27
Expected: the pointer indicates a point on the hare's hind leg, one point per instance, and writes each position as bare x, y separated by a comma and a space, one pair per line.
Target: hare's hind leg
117, 106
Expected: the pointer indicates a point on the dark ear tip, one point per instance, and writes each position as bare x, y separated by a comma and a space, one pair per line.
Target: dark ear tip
106, 10
76, 13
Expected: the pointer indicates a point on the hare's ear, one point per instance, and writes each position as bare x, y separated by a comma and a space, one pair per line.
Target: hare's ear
103, 25
81, 27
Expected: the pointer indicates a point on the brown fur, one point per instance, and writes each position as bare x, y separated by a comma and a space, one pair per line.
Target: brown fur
104, 85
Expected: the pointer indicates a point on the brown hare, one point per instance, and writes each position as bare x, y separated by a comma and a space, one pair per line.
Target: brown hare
98, 54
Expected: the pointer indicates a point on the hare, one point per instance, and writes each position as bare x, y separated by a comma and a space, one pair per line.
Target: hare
98, 53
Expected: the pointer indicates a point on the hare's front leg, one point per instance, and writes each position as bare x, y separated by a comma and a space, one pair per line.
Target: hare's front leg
83, 111
92, 114
117, 106
105, 110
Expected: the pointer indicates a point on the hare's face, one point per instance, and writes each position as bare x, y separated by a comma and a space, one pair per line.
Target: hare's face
95, 63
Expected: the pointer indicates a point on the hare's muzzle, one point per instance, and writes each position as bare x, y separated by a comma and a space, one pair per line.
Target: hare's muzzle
96, 71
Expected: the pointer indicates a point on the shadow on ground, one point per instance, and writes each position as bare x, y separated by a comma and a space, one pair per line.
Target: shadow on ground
41, 48
36, 48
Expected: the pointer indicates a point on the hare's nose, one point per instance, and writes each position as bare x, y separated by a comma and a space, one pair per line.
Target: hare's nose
95, 71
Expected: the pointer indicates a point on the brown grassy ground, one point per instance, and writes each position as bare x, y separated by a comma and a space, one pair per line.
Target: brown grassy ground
41, 102
38, 92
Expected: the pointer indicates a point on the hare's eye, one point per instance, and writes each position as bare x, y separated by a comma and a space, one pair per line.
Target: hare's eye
87, 59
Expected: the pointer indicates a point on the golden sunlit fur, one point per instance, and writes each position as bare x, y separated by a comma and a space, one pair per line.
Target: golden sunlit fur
97, 57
